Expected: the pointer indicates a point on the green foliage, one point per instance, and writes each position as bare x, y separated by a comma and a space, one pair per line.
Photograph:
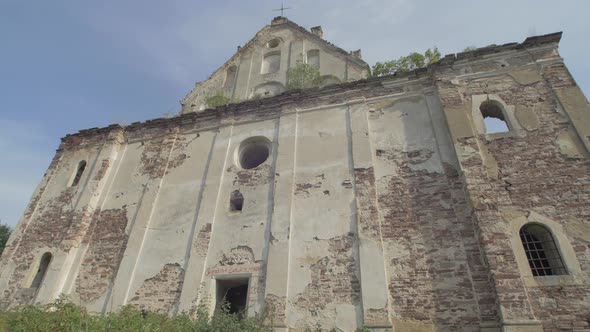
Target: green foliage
63, 315
406, 63
470, 48
303, 76
218, 99
5, 231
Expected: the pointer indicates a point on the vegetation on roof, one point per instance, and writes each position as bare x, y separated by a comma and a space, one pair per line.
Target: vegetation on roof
218, 99
406, 63
303, 76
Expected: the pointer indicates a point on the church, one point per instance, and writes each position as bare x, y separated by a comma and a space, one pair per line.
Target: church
385, 203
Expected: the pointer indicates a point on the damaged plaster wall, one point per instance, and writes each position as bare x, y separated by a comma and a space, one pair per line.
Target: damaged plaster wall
379, 204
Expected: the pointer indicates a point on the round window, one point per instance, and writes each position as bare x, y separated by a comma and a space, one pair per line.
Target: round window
253, 152
273, 43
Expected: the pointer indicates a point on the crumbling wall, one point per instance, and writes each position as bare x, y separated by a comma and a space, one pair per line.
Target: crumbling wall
382, 181
542, 167
161, 292
47, 231
434, 273
106, 244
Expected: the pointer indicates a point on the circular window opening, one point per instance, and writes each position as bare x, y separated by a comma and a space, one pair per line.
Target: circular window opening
253, 152
273, 43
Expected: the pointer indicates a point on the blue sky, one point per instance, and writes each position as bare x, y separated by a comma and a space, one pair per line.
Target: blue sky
70, 65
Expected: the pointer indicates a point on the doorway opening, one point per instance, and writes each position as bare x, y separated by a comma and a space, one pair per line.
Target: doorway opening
232, 295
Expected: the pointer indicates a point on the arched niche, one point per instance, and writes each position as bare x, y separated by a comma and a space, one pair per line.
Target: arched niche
268, 89
271, 63
313, 58
42, 268
230, 77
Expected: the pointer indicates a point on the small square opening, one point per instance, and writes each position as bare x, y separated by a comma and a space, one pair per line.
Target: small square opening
236, 201
232, 294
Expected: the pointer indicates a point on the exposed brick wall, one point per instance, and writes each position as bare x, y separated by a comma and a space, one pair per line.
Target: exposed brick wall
367, 203
448, 256
49, 229
160, 293
106, 244
533, 175
333, 278
201, 244
435, 274
102, 171
275, 307
250, 177
155, 159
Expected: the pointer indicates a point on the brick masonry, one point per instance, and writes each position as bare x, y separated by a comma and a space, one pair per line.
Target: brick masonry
410, 189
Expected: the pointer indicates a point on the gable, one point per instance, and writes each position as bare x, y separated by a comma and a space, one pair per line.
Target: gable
259, 68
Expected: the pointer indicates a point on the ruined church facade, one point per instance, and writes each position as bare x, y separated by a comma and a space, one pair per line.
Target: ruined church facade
382, 202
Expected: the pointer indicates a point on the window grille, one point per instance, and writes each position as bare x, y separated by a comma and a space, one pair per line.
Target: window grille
541, 251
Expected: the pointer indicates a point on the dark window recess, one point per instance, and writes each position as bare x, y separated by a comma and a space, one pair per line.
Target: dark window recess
79, 172
41, 271
253, 152
232, 295
236, 201
493, 117
541, 252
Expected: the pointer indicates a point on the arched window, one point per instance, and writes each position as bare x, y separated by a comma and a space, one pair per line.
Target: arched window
493, 117
41, 271
541, 251
79, 172
313, 58
271, 63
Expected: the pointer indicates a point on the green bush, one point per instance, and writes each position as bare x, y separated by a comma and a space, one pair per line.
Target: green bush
406, 63
5, 231
65, 316
303, 76
219, 99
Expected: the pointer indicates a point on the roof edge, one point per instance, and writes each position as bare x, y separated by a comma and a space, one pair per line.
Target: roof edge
448, 60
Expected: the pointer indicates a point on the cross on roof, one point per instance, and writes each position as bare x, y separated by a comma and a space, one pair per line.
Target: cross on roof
282, 9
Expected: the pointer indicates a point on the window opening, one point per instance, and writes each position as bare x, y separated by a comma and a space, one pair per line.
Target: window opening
271, 63
41, 271
273, 43
79, 172
232, 295
541, 252
493, 117
236, 201
253, 152
313, 58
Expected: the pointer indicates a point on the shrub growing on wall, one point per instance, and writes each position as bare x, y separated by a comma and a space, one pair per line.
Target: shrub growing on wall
218, 99
303, 76
406, 63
